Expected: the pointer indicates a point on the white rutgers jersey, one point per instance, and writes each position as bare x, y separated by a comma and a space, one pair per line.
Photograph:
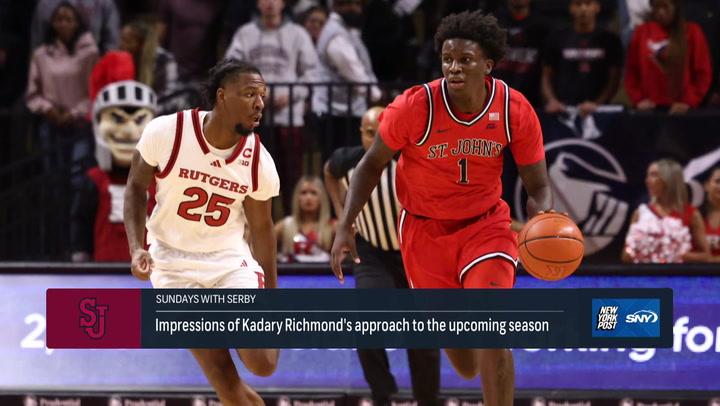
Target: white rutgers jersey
200, 194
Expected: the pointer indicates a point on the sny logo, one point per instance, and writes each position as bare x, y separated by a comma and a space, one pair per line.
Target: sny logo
642, 316
92, 317
607, 318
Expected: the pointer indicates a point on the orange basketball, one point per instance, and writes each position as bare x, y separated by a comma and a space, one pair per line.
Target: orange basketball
551, 246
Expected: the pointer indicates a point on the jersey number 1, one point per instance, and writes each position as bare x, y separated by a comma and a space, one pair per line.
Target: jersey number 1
215, 204
463, 171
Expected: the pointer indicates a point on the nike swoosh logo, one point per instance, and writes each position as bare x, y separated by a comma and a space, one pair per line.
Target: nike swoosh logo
442, 130
494, 284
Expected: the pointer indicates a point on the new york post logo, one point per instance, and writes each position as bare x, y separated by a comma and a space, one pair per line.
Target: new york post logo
626, 317
607, 318
92, 317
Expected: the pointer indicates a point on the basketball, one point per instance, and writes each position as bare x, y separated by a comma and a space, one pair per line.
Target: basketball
551, 246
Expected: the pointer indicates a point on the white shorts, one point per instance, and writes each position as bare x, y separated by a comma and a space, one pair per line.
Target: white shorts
219, 269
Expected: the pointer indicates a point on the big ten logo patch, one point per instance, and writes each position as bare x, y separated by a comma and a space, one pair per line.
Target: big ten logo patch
585, 180
247, 154
93, 317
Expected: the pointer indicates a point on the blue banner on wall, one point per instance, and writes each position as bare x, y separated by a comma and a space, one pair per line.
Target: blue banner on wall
691, 364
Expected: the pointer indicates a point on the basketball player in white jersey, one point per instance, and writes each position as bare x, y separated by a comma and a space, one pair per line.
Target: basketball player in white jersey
212, 176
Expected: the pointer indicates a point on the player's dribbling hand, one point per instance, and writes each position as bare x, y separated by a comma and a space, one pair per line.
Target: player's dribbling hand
142, 264
344, 243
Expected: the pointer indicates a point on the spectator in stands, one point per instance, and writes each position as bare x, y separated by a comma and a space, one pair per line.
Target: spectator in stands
344, 59
526, 33
298, 8
669, 228
306, 235
58, 89
711, 213
101, 17
190, 30
314, 21
668, 61
631, 13
284, 53
154, 66
235, 14
582, 63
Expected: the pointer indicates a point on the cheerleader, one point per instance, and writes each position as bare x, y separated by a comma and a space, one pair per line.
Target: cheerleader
668, 228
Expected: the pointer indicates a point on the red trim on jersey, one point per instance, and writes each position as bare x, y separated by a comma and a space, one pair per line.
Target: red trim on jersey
685, 216
256, 163
506, 91
198, 132
654, 210
176, 146
709, 229
491, 255
238, 148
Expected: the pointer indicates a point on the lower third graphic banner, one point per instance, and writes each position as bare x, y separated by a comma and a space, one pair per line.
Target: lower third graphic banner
361, 318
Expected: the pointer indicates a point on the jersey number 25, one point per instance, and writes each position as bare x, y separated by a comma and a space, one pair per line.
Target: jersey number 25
216, 211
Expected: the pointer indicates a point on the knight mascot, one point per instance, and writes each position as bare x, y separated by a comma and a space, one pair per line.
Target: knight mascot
120, 113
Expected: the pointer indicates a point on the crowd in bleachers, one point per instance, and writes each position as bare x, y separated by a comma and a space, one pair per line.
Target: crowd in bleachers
578, 55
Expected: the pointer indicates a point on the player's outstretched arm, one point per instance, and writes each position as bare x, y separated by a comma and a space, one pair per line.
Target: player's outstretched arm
366, 177
262, 240
134, 213
537, 184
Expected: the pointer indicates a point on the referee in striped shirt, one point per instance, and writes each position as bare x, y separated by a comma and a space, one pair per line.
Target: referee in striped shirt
382, 265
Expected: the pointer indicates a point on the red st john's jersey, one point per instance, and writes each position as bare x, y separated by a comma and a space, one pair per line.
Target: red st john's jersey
451, 163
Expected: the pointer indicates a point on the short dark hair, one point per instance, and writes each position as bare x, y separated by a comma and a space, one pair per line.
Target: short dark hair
220, 73
474, 26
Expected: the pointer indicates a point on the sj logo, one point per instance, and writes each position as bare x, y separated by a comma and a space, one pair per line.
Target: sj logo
92, 317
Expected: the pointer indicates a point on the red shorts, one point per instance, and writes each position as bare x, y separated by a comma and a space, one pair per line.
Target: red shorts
443, 253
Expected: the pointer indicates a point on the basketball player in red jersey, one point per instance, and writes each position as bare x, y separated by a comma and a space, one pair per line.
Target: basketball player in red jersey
454, 230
